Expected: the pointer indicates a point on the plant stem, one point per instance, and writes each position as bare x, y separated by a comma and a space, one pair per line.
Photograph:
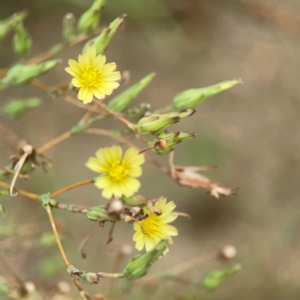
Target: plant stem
54, 142
21, 192
70, 187
61, 249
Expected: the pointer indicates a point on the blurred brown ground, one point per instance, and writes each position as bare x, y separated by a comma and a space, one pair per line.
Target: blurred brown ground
250, 132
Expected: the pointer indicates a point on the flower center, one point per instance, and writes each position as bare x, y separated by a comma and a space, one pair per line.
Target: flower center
117, 171
91, 77
151, 226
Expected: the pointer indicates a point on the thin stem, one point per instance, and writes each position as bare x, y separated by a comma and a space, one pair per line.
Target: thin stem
127, 143
49, 53
17, 279
180, 268
41, 85
21, 192
84, 240
70, 187
54, 142
80, 289
61, 249
110, 237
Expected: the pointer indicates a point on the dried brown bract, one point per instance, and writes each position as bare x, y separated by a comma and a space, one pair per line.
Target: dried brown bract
186, 176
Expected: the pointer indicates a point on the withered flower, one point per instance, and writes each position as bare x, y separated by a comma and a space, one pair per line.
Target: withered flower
186, 176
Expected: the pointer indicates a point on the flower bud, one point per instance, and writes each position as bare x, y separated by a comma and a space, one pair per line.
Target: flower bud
68, 31
120, 102
17, 107
137, 112
91, 278
7, 24
165, 142
88, 22
154, 124
193, 97
102, 40
139, 265
135, 200
22, 74
99, 214
22, 40
214, 279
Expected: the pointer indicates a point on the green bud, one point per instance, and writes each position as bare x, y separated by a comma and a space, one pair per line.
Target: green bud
22, 40
23, 74
139, 265
18, 107
7, 25
214, 279
68, 31
135, 200
91, 278
88, 22
99, 214
192, 98
120, 102
154, 124
102, 40
165, 142
136, 113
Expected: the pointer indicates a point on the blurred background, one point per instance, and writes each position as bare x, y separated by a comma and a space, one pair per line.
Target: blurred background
249, 132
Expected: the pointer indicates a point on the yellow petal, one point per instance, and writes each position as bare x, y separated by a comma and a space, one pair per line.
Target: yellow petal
111, 85
140, 244
98, 94
74, 66
95, 165
135, 172
171, 230
76, 82
100, 61
132, 158
112, 76
168, 218
103, 182
82, 93
89, 97
108, 68
91, 54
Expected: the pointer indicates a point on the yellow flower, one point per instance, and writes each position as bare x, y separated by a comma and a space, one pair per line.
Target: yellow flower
118, 175
93, 76
154, 228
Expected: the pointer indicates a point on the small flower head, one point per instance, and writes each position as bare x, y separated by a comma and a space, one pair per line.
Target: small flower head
154, 225
92, 76
118, 174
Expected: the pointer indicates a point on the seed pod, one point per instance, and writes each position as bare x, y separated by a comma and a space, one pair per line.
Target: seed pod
23, 74
122, 101
165, 142
193, 97
68, 31
139, 265
99, 214
21, 40
88, 22
102, 40
154, 124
